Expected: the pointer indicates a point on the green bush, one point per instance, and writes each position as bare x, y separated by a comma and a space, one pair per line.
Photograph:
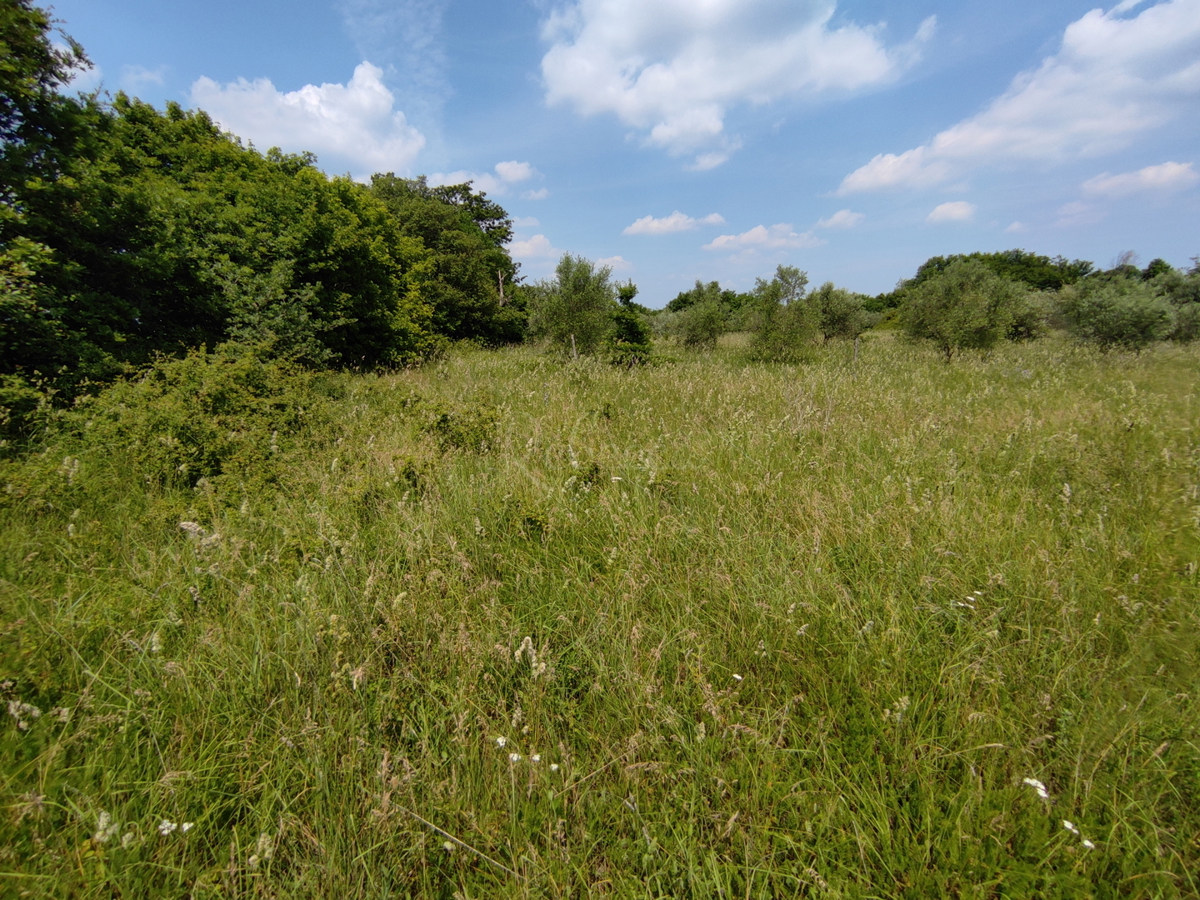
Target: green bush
1117, 314
1186, 326
964, 307
700, 325
783, 326
222, 416
839, 312
574, 308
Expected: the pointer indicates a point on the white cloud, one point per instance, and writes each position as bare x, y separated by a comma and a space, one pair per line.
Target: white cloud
673, 68
1170, 177
956, 211
1078, 213
133, 78
616, 263
1113, 80
777, 237
843, 218
539, 194
536, 247
671, 224
525, 222
356, 122
506, 175
1016, 228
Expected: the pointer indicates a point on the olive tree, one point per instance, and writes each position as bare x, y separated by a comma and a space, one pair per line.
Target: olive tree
966, 306
574, 309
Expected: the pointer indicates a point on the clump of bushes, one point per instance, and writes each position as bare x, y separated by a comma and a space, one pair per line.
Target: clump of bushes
783, 326
966, 306
225, 416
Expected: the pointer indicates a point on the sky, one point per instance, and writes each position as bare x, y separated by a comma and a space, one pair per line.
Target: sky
678, 140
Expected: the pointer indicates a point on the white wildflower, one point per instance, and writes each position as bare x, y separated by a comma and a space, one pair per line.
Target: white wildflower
154, 643
537, 757
553, 767
501, 741
1037, 786
1088, 845
127, 839
192, 529
166, 826
514, 757
737, 677
24, 713
447, 846
1070, 826
186, 827
106, 828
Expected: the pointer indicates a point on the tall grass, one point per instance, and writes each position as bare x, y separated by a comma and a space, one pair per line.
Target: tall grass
519, 626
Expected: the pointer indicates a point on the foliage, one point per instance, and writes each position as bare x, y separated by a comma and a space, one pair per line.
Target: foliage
783, 325
223, 416
729, 301
170, 234
469, 278
699, 325
1120, 313
38, 125
630, 342
1037, 272
574, 309
839, 312
965, 306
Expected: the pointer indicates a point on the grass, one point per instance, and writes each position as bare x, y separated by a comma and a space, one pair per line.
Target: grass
769, 631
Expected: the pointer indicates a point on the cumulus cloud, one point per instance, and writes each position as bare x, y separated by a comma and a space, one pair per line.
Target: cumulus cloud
536, 247
955, 211
671, 224
497, 182
356, 122
1168, 178
673, 69
843, 218
616, 263
1113, 80
776, 237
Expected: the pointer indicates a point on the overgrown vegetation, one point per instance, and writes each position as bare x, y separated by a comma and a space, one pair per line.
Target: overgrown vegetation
523, 625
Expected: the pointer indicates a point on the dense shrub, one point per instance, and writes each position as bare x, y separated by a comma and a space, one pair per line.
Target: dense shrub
966, 306
225, 416
700, 325
1117, 313
783, 326
574, 309
839, 312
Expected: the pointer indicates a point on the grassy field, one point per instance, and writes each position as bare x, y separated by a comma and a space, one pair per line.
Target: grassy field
510, 626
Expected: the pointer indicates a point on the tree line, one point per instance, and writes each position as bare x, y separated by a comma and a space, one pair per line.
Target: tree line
127, 233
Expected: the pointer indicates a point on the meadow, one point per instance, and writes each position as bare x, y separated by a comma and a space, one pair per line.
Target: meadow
511, 625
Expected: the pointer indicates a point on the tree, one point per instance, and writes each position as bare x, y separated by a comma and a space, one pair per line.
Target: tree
630, 341
783, 325
839, 313
574, 308
966, 306
1115, 314
469, 280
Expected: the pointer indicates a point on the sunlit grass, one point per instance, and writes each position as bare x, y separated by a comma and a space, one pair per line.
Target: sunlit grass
768, 631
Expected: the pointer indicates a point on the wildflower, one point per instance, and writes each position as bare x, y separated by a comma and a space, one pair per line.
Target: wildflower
154, 644
1037, 786
106, 828
501, 741
186, 827
537, 757
127, 839
737, 677
192, 529
1088, 845
553, 767
514, 757
1070, 826
447, 846
24, 713
166, 826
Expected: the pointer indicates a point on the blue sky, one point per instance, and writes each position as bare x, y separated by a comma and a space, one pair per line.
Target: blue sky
715, 139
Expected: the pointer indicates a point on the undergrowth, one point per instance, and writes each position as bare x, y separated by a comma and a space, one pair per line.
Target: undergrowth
874, 626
